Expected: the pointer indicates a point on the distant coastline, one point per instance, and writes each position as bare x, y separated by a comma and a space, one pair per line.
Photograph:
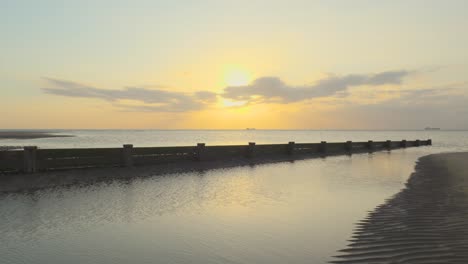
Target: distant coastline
432, 128
29, 135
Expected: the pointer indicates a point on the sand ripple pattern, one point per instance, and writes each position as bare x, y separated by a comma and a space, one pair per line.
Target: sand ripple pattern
427, 222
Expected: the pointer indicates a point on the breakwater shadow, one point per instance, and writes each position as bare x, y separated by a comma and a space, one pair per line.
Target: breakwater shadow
28, 182
427, 222
22, 182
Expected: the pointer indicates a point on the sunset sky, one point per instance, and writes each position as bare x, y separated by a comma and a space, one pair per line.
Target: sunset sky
234, 64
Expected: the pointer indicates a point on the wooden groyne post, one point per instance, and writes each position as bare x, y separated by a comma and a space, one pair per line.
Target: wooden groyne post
30, 159
290, 148
127, 155
200, 151
349, 146
251, 150
388, 144
404, 143
370, 145
323, 147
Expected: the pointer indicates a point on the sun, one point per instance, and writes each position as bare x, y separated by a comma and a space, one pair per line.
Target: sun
236, 77
231, 103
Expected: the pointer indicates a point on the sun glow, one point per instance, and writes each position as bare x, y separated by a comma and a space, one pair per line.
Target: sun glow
235, 76
230, 103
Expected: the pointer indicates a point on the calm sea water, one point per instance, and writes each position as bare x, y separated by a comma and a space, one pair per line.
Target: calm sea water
299, 212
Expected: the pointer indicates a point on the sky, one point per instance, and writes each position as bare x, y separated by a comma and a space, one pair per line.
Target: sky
214, 64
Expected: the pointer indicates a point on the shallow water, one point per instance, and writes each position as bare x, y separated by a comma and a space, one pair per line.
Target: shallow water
299, 212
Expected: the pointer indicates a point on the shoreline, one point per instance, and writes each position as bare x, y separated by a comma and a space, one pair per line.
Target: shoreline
426, 222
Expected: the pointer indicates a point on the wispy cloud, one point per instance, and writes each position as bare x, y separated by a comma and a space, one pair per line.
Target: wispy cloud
408, 108
150, 100
262, 90
273, 89
415, 109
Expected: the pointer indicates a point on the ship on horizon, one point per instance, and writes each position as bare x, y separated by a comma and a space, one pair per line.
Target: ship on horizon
432, 128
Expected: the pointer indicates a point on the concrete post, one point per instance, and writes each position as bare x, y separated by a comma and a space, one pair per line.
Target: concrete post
403, 143
251, 150
370, 145
418, 143
429, 142
200, 151
127, 155
323, 147
290, 149
349, 146
30, 159
388, 144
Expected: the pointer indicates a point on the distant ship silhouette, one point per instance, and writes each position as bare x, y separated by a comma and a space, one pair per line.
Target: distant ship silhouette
432, 128
250, 128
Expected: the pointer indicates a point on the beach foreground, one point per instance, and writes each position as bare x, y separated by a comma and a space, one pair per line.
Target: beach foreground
427, 222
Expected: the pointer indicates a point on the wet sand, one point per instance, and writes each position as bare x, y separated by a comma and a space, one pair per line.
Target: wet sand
427, 222
28, 135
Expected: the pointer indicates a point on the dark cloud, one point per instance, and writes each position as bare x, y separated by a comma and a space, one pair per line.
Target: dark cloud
206, 96
154, 100
272, 89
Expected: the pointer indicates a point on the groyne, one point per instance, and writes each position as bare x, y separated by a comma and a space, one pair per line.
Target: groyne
32, 159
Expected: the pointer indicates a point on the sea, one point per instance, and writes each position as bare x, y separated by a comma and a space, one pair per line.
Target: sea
286, 212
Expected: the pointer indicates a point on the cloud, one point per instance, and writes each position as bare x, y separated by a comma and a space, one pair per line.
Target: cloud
415, 110
441, 94
150, 100
262, 90
206, 96
439, 106
272, 89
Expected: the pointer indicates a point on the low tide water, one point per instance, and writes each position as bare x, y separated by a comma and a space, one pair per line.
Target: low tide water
288, 212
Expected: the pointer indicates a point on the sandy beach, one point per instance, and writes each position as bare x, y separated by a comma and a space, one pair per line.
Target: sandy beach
427, 222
